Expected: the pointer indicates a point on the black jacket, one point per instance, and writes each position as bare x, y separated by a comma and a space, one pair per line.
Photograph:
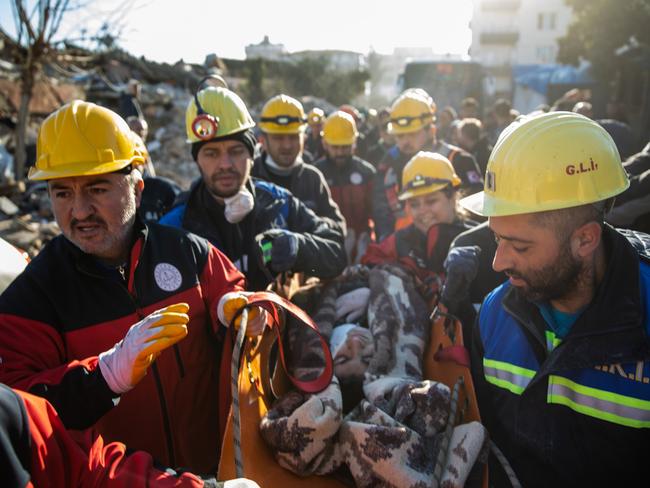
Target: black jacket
321, 251
486, 279
307, 184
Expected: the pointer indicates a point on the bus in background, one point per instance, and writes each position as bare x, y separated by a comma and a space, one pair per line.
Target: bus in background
447, 81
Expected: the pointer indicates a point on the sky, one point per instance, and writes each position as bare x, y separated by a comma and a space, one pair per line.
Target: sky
168, 30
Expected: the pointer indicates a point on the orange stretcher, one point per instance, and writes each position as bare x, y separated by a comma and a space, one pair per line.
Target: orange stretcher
260, 382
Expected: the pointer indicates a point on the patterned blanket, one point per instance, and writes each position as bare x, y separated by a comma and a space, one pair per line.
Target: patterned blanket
394, 432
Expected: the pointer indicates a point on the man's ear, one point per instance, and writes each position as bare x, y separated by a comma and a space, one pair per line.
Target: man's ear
263, 142
586, 239
138, 188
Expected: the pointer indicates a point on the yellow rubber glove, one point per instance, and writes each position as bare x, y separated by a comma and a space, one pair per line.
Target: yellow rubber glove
231, 302
126, 363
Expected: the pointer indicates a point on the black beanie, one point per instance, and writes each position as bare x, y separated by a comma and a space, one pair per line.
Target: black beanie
247, 138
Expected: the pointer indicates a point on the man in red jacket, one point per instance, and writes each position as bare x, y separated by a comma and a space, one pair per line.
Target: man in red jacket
120, 325
350, 180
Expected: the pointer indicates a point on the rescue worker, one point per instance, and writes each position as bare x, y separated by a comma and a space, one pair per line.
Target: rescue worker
469, 109
239, 214
429, 191
37, 451
350, 180
561, 356
283, 134
313, 141
412, 124
88, 324
447, 124
362, 145
470, 137
128, 102
502, 111
377, 152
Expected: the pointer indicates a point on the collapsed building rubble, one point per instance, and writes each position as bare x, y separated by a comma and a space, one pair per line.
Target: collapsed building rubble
26, 219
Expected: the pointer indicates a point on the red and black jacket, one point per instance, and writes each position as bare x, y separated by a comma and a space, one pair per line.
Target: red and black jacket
351, 187
37, 451
422, 254
66, 308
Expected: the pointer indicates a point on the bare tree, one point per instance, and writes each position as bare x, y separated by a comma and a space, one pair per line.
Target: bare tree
35, 26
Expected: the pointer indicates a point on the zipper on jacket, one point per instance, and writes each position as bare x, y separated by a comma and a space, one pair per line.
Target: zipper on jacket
156, 375
179, 360
154, 367
165, 415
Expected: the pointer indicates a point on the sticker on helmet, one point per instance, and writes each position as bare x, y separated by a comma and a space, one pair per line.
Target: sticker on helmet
490, 181
167, 277
473, 177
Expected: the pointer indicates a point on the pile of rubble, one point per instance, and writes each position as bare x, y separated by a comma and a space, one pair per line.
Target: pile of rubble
26, 219
164, 108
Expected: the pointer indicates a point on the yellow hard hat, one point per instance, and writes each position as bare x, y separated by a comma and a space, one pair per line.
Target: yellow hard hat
282, 115
315, 116
421, 92
82, 139
140, 146
427, 172
340, 129
411, 112
215, 112
549, 162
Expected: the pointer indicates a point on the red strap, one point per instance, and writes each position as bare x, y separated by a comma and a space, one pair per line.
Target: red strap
457, 354
272, 303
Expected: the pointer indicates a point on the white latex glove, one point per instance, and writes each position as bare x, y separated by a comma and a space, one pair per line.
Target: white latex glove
231, 302
353, 304
126, 363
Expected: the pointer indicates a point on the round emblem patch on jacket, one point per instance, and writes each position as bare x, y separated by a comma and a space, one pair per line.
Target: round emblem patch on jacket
356, 178
167, 277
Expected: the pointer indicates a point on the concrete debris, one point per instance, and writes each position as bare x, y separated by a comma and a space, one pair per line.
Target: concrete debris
7, 207
27, 233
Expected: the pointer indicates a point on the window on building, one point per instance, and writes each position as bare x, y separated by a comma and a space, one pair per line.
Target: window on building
546, 20
545, 54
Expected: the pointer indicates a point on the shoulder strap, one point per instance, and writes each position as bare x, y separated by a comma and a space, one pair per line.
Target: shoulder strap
273, 303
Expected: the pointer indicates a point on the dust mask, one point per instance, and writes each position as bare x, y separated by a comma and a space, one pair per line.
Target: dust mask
239, 206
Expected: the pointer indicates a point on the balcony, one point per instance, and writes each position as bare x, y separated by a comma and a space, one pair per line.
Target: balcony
500, 5
499, 38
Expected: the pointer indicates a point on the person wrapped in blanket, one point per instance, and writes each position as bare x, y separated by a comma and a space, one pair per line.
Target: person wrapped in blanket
381, 422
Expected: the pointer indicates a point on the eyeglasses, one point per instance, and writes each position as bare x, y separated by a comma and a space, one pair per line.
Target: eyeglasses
283, 120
